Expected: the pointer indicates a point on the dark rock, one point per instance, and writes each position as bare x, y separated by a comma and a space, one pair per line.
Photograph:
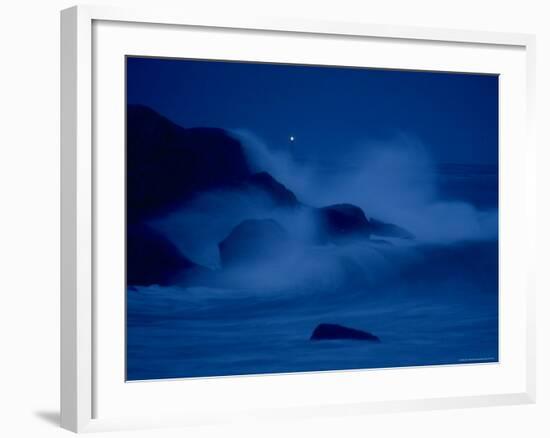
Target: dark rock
153, 259
254, 241
166, 163
379, 228
277, 192
343, 220
336, 331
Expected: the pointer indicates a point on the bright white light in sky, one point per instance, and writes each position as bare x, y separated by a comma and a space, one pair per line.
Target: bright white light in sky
291, 138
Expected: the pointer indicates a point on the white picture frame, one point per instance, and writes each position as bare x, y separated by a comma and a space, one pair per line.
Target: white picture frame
81, 315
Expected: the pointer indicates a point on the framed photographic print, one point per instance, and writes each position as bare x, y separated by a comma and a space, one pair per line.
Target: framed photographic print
277, 218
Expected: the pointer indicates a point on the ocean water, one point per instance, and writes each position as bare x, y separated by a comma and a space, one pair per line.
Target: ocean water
431, 301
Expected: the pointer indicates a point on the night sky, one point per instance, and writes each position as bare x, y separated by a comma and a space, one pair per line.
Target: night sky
330, 111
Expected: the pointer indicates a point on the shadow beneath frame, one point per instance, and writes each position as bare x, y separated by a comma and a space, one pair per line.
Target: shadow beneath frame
51, 417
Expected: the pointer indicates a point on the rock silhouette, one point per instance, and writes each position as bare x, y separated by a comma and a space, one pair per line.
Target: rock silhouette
153, 259
167, 163
343, 220
277, 192
339, 332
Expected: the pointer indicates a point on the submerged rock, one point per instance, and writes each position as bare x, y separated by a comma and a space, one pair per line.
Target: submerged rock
336, 331
254, 241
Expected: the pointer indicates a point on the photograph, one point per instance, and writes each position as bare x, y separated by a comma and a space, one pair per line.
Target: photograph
291, 218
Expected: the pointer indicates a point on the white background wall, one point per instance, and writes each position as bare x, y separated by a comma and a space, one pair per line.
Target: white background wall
29, 231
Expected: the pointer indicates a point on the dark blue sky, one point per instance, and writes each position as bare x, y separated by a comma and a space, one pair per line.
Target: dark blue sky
330, 111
